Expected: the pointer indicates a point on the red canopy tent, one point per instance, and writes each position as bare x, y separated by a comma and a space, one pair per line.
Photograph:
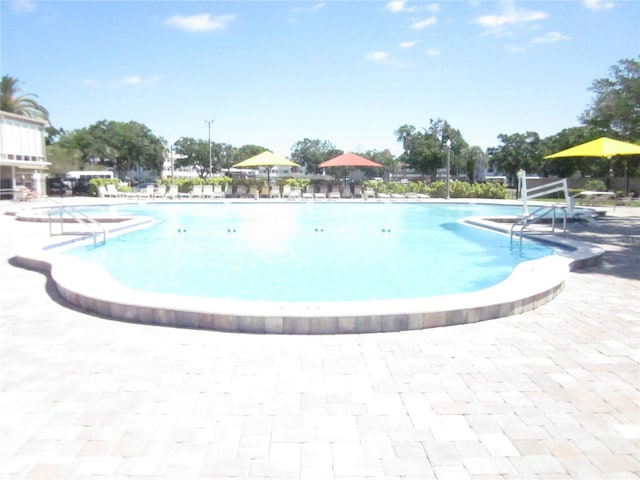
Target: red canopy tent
349, 160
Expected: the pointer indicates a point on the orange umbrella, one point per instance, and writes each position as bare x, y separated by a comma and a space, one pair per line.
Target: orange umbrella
350, 160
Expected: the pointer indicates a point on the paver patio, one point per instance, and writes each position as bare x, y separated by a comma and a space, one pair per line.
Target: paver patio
549, 394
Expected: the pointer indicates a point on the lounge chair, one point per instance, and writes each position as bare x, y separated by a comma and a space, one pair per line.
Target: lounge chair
357, 191
172, 193
346, 191
217, 192
253, 191
294, 194
286, 190
160, 192
112, 191
196, 191
335, 192
322, 194
368, 193
308, 193
383, 195
241, 191
207, 191
275, 192
102, 192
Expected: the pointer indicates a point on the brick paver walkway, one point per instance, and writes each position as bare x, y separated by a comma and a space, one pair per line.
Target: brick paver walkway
550, 394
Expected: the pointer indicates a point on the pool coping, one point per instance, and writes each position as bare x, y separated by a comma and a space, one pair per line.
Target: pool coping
91, 288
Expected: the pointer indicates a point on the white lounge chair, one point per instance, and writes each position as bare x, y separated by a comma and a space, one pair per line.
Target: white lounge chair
207, 191
275, 192
357, 191
172, 193
295, 194
102, 192
160, 192
286, 190
322, 194
308, 193
241, 191
217, 192
112, 191
196, 191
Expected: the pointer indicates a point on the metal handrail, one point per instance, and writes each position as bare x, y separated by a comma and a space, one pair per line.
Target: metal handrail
82, 218
538, 215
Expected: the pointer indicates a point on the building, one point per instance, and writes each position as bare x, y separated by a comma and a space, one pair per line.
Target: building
23, 159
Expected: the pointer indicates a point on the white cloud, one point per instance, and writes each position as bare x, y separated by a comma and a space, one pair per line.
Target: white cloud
427, 22
25, 6
130, 81
408, 44
396, 6
597, 4
91, 82
377, 56
550, 37
136, 81
434, 7
433, 52
202, 22
497, 24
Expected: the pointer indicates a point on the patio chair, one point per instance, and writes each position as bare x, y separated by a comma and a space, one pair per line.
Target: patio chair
294, 194
286, 190
335, 192
217, 192
207, 191
322, 194
241, 191
308, 193
196, 191
112, 191
172, 193
357, 191
275, 192
160, 192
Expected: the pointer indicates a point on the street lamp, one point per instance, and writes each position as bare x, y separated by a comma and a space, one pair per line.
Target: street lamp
448, 166
210, 164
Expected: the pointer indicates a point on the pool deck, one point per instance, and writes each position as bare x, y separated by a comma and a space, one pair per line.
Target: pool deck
552, 393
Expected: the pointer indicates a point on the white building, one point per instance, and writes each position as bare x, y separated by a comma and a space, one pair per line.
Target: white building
23, 161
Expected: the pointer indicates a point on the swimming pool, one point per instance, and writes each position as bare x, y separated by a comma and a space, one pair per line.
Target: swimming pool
357, 241
309, 252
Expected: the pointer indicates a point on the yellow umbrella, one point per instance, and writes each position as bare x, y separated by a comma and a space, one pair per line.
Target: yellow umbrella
265, 159
603, 147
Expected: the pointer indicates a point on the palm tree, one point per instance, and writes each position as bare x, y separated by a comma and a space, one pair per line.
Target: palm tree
11, 101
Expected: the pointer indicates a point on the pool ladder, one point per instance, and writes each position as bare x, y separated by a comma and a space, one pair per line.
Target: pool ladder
76, 216
536, 216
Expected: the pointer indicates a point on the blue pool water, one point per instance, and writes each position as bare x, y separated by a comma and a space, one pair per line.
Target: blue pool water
310, 252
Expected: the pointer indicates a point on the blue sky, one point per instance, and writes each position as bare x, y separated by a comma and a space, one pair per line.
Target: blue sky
272, 73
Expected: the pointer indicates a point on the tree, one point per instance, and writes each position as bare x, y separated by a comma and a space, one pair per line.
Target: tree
118, 145
13, 102
191, 152
518, 151
615, 110
310, 153
475, 160
426, 151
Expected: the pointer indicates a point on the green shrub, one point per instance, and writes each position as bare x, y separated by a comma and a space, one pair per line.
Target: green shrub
595, 185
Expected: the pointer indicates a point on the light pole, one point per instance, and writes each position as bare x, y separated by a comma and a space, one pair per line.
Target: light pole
448, 166
210, 164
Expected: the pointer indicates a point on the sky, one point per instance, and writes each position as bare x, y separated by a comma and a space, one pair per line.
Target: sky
272, 73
